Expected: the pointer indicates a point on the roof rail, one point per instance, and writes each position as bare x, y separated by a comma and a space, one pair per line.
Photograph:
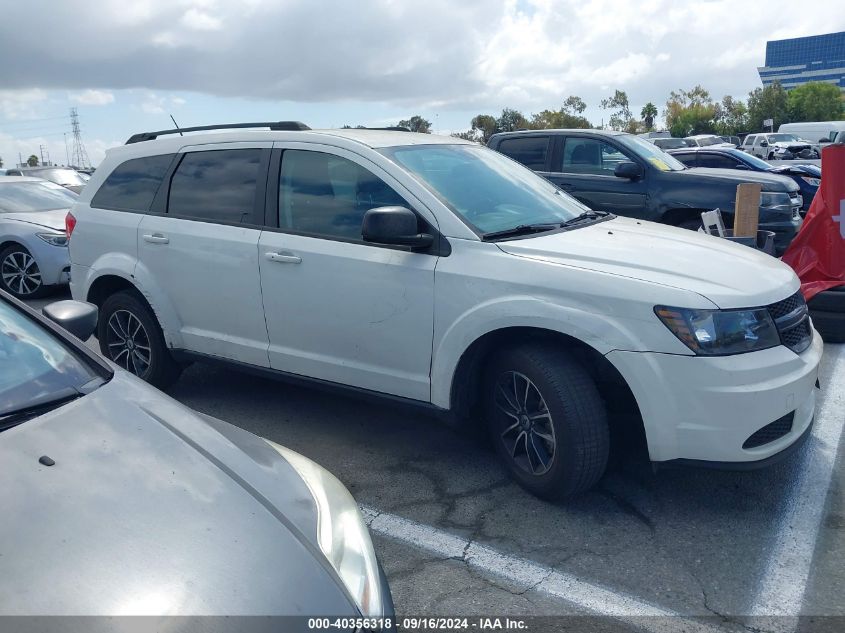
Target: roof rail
273, 125
390, 128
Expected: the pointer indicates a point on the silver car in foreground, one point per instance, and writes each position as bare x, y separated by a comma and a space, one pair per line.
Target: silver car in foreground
33, 242
118, 500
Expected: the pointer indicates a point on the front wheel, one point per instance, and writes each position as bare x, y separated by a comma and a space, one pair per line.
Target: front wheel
20, 274
130, 337
547, 420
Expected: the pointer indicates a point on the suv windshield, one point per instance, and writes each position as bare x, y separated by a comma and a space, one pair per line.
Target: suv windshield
34, 365
17, 197
650, 152
704, 141
488, 190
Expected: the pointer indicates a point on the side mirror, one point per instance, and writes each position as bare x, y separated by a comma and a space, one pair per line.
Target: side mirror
77, 317
394, 225
629, 170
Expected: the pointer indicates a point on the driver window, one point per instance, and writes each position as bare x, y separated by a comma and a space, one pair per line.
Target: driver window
328, 195
590, 156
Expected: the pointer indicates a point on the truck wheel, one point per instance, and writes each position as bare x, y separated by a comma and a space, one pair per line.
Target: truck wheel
831, 325
130, 337
546, 420
832, 300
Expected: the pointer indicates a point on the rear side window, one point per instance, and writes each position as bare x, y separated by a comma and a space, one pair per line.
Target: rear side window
528, 150
133, 184
217, 186
713, 160
686, 159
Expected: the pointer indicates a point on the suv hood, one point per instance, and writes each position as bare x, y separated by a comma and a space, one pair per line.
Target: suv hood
728, 274
150, 510
54, 219
770, 182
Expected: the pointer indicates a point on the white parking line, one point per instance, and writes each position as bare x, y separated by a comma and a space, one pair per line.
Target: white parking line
785, 580
527, 575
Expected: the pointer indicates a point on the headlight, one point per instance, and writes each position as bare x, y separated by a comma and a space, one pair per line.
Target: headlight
341, 533
56, 239
721, 332
776, 202
815, 182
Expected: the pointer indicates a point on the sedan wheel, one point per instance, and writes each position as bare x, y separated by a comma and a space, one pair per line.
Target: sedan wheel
20, 273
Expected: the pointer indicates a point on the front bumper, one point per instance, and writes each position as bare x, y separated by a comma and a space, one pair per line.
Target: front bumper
705, 408
53, 262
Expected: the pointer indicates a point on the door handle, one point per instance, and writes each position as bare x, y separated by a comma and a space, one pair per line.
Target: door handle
283, 258
156, 238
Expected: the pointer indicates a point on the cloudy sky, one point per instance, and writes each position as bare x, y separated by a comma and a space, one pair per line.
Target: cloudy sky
126, 65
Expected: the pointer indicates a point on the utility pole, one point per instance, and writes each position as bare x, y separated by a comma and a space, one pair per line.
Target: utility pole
80, 156
41, 151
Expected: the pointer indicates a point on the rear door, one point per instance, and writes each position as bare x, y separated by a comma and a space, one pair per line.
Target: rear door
717, 160
584, 167
198, 247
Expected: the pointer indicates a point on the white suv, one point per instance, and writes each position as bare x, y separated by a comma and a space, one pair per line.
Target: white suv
439, 272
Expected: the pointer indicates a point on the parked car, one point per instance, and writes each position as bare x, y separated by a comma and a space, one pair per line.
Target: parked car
67, 178
707, 140
33, 243
670, 143
620, 173
778, 147
807, 177
820, 134
439, 273
125, 502
732, 140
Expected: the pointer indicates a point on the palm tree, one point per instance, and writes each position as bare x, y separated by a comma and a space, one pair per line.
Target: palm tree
648, 114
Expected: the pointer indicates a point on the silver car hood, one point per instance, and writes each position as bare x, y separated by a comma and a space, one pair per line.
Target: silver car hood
149, 509
54, 220
729, 275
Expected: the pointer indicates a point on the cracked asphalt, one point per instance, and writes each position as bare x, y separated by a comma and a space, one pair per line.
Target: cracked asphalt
695, 542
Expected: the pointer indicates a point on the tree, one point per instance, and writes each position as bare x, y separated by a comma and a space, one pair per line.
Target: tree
1, 161
417, 124
511, 120
621, 117
469, 135
32, 161
770, 102
690, 112
731, 116
648, 114
815, 101
574, 105
557, 119
483, 126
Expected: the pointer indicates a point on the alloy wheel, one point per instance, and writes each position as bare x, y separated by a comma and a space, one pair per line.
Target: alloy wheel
21, 273
526, 423
128, 342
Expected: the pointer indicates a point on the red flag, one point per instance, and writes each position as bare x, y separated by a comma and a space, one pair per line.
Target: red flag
817, 254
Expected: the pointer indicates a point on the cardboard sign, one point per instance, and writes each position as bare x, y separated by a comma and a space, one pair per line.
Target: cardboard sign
747, 214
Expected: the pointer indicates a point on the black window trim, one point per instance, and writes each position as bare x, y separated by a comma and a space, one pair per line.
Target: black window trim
173, 160
440, 246
161, 202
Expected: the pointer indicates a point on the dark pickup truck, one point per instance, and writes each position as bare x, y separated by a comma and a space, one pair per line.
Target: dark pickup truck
627, 175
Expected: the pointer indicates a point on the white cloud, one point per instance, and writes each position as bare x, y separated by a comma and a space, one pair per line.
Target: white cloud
159, 104
21, 104
93, 97
201, 21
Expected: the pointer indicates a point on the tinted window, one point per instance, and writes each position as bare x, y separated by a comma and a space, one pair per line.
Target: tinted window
328, 195
133, 184
590, 156
749, 140
715, 160
528, 150
686, 159
217, 185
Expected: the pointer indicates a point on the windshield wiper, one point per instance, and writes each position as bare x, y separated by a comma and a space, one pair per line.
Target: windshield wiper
38, 406
587, 216
522, 229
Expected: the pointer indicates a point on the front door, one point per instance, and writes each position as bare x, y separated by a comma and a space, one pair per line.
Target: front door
337, 308
584, 168
201, 252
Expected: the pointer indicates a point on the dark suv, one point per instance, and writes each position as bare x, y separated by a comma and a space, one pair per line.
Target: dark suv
626, 175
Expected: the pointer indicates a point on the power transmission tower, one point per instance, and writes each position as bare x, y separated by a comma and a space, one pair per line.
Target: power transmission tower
79, 157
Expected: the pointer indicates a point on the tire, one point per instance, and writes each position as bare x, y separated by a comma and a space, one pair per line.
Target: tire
144, 352
832, 300
831, 325
19, 273
569, 436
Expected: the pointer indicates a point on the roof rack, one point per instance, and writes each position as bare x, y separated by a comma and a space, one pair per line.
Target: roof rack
390, 128
273, 125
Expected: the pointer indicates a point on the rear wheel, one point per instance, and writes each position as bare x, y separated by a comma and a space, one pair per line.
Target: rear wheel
130, 337
546, 419
831, 325
832, 300
20, 274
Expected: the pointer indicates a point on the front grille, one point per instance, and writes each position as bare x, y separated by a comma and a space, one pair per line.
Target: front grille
770, 432
792, 320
